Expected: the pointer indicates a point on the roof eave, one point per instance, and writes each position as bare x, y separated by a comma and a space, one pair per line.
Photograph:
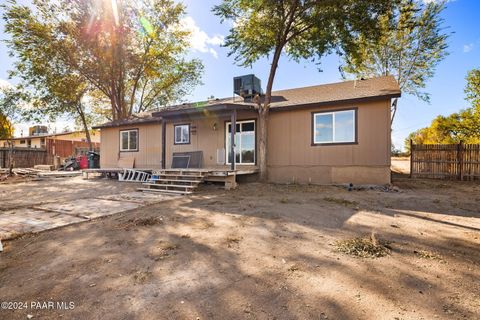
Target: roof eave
337, 102
124, 124
196, 110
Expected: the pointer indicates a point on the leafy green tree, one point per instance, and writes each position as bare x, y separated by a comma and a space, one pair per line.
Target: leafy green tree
473, 88
131, 52
412, 44
462, 126
6, 128
13, 110
298, 29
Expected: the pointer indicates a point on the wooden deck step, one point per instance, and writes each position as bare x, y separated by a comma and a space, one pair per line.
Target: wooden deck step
164, 191
174, 180
178, 175
157, 185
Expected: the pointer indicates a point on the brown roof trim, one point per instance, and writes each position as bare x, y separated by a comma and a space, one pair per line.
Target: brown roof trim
123, 123
336, 102
196, 110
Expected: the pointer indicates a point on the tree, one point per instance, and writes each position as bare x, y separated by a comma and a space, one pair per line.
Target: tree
462, 126
12, 109
412, 44
473, 88
299, 29
6, 128
130, 52
455, 128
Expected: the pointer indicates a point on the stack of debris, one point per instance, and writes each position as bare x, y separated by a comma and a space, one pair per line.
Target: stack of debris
41, 171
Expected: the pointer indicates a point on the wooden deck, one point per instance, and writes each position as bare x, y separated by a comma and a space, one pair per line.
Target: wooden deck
209, 174
216, 172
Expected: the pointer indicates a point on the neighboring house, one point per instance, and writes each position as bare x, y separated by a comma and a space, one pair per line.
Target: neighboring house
59, 144
334, 133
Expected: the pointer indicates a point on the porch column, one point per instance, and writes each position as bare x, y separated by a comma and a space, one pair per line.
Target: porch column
164, 142
233, 126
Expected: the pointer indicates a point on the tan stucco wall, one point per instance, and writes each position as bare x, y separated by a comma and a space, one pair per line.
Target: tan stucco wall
205, 138
149, 154
292, 158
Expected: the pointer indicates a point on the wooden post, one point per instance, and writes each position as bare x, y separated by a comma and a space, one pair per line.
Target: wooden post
233, 127
411, 157
164, 147
460, 160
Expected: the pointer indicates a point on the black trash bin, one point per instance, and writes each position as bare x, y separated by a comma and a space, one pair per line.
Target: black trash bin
93, 160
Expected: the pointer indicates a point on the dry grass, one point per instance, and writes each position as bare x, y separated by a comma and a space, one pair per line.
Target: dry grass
141, 277
340, 201
364, 247
232, 240
167, 245
427, 254
141, 222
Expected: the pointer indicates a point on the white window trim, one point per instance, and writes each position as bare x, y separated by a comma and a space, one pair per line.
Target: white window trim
121, 142
175, 134
227, 134
333, 141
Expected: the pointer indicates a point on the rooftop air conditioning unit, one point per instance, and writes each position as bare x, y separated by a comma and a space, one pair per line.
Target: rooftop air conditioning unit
247, 86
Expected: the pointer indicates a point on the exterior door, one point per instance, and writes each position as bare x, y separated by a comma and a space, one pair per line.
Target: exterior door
245, 142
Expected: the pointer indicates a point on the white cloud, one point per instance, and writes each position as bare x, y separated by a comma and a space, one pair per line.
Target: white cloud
468, 47
199, 40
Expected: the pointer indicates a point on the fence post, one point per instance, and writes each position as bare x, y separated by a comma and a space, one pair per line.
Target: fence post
460, 160
411, 157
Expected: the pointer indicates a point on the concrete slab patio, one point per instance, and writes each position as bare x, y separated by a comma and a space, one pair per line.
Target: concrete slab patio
36, 206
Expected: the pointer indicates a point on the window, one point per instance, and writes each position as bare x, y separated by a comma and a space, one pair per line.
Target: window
22, 141
334, 127
244, 142
182, 134
129, 140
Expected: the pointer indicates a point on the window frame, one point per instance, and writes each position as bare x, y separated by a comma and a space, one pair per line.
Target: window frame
120, 140
175, 132
227, 134
333, 142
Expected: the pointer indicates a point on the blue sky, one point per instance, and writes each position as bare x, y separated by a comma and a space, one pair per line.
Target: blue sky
446, 88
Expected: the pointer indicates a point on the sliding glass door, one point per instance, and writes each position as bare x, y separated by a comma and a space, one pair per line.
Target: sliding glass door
244, 142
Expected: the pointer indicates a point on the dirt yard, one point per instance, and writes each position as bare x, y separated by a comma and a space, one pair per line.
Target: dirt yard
401, 165
258, 252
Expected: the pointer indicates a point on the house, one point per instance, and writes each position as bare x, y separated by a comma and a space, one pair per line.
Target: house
60, 144
325, 134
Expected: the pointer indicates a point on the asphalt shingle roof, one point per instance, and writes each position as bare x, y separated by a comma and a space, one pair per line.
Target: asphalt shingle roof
380, 87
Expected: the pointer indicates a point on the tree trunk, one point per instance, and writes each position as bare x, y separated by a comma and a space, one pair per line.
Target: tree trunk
394, 110
262, 148
10, 157
263, 111
85, 126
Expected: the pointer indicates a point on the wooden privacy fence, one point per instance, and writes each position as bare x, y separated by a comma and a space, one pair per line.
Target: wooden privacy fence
67, 148
445, 161
23, 157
